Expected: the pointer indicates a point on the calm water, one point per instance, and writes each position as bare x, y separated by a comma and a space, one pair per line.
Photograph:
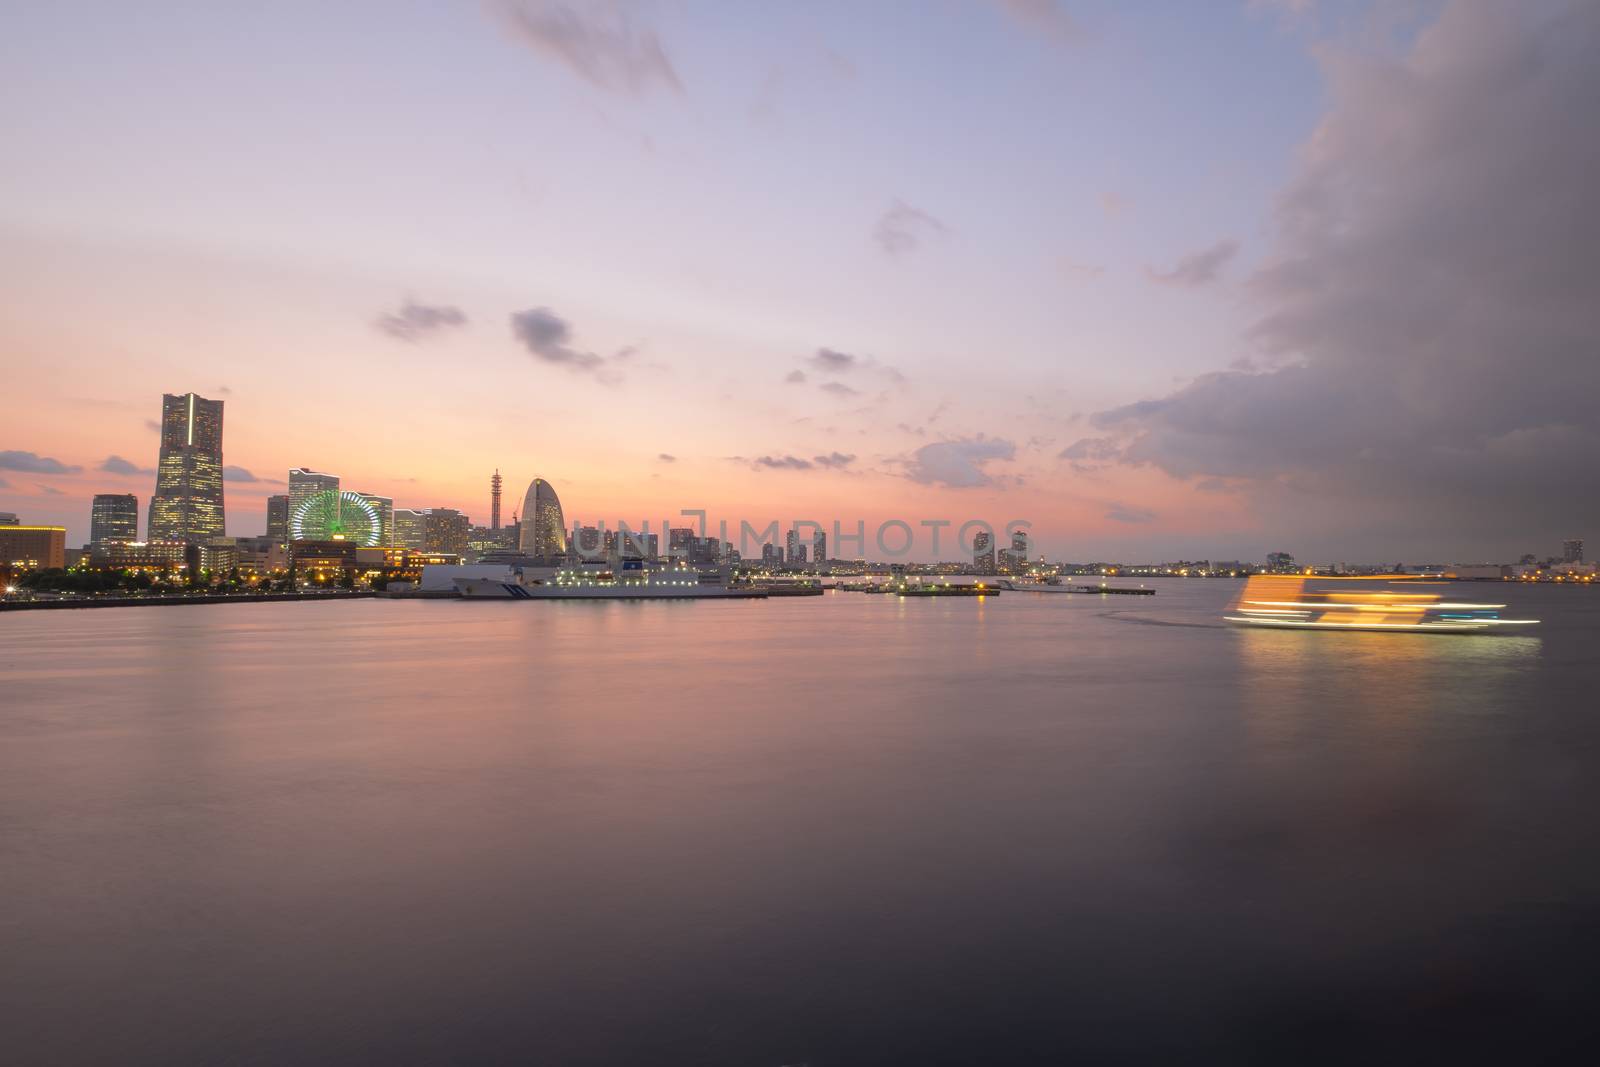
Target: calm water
836, 831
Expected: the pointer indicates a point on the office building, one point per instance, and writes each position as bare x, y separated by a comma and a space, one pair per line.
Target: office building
819, 548
188, 505
278, 518
1572, 551
114, 517
29, 547
138, 555
447, 530
304, 482
544, 529
408, 528
771, 555
384, 507
680, 543
587, 543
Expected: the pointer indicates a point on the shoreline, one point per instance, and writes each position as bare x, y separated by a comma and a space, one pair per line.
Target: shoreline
174, 601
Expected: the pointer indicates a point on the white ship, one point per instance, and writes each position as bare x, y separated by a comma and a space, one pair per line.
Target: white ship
632, 581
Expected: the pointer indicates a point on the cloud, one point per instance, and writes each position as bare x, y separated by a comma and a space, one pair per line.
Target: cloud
827, 359
958, 464
596, 41
224, 390
4, 484
1197, 268
118, 465
1427, 311
667, 457
795, 377
783, 463
548, 337
1125, 513
240, 474
1096, 448
152, 425
1044, 16
414, 321
835, 460
50, 489
32, 463
838, 389
903, 228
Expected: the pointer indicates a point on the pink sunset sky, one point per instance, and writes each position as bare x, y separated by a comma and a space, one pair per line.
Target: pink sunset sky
1165, 281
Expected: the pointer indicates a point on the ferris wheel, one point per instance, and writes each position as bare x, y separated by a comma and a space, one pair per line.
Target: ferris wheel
332, 515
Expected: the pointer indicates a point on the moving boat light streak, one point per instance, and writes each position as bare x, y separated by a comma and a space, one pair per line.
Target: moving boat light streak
1281, 602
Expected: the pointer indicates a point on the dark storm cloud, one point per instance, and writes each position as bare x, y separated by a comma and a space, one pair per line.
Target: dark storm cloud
415, 321
1428, 319
598, 42
903, 228
118, 465
1197, 268
958, 464
32, 463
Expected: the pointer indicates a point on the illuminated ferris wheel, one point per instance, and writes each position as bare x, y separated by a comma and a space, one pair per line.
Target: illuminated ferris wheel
334, 516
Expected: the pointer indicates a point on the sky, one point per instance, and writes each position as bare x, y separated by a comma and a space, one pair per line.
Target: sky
1199, 280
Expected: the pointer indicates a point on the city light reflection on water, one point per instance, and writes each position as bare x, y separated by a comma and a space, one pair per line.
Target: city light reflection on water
846, 829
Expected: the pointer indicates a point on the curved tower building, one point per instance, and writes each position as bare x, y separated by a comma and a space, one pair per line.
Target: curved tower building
544, 528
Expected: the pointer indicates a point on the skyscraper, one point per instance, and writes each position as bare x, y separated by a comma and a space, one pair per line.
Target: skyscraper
114, 517
819, 547
1572, 551
304, 482
983, 552
794, 552
187, 505
544, 530
446, 530
409, 529
494, 500
278, 518
384, 506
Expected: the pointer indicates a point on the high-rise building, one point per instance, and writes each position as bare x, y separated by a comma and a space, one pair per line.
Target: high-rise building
819, 547
304, 482
794, 550
680, 542
587, 542
33, 546
187, 505
409, 528
544, 529
494, 500
771, 554
114, 517
278, 518
1281, 563
983, 552
1572, 551
384, 506
446, 530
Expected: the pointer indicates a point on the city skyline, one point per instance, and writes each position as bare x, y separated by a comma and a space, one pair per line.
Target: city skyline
1182, 296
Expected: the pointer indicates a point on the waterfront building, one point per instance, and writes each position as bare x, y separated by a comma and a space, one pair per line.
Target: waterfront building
30, 547
587, 542
305, 482
446, 530
114, 517
188, 504
260, 555
384, 506
771, 555
544, 529
819, 548
1281, 563
219, 555
1572, 551
278, 517
794, 552
319, 562
983, 552
680, 543
408, 528
138, 555
334, 516
494, 500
